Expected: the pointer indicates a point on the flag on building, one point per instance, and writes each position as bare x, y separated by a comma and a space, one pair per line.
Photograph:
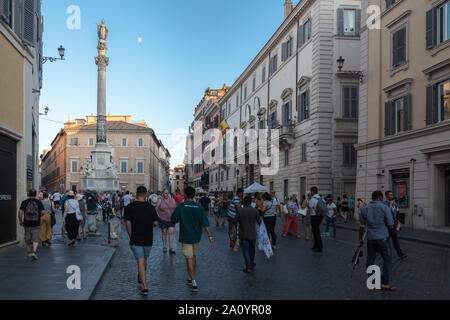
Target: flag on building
224, 127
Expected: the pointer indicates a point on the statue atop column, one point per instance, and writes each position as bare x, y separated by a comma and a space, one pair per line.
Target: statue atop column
102, 35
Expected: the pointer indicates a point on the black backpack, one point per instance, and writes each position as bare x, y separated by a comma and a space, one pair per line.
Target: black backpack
31, 212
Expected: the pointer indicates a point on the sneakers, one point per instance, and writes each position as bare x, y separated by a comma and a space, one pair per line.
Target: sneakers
189, 282
194, 288
193, 285
144, 292
34, 256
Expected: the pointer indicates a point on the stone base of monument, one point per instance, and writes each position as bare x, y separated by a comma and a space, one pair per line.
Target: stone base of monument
100, 173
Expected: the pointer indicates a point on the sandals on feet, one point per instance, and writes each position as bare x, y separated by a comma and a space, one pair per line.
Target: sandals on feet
388, 289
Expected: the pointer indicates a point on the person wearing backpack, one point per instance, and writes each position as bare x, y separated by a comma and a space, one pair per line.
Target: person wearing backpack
318, 212
30, 214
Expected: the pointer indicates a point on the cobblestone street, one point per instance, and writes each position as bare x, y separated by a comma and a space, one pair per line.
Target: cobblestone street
295, 272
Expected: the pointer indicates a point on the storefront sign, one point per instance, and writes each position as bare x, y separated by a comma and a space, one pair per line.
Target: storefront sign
402, 189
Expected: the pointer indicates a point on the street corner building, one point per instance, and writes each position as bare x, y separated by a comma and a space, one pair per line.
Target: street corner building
304, 83
21, 59
404, 127
139, 157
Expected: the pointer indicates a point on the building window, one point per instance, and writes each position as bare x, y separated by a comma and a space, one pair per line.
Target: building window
398, 116
228, 174
91, 142
302, 188
123, 166
263, 74
124, 142
401, 187
273, 120
261, 125
307, 31
235, 173
254, 84
349, 155
303, 157
399, 47
74, 165
140, 167
390, 3
221, 176
74, 142
349, 22
140, 142
303, 101
444, 100
444, 24
286, 49
286, 158
287, 112
350, 102
273, 65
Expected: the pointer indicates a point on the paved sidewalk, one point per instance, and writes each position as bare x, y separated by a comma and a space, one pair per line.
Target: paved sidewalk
46, 279
436, 238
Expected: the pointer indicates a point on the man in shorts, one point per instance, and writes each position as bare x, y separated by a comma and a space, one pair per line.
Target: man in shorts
192, 219
141, 218
30, 219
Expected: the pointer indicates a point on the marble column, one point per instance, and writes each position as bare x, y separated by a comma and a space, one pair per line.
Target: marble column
102, 62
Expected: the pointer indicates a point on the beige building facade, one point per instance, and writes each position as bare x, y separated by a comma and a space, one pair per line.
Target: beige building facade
404, 119
21, 27
136, 154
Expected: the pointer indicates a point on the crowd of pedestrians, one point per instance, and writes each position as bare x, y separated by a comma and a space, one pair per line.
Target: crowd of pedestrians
251, 221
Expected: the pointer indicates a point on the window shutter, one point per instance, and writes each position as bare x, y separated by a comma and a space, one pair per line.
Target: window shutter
28, 28
289, 111
17, 21
402, 46
431, 28
284, 51
340, 21
407, 114
307, 105
283, 115
299, 108
345, 93
5, 10
358, 21
432, 107
300, 36
387, 118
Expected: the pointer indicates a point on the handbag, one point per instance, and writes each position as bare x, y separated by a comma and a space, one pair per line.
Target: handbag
302, 212
52, 218
78, 214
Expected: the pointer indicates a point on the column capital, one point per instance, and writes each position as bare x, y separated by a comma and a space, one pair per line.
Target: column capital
102, 62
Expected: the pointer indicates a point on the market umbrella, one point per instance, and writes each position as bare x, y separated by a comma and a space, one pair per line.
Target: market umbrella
256, 187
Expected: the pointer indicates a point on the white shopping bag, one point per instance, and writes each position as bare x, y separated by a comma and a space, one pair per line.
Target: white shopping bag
263, 240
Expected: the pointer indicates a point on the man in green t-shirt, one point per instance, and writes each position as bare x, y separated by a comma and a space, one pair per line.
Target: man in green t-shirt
192, 219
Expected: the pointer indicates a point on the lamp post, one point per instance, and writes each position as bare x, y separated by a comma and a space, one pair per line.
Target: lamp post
61, 51
46, 110
340, 63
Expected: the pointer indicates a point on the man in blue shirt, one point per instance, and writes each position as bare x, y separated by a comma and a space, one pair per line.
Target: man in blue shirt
392, 205
376, 220
235, 205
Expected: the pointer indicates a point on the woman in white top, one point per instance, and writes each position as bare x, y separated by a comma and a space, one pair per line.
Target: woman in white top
71, 207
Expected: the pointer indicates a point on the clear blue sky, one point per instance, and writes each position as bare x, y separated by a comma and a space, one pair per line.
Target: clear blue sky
186, 47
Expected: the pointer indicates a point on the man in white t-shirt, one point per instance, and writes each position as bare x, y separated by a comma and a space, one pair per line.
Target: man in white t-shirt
331, 217
127, 199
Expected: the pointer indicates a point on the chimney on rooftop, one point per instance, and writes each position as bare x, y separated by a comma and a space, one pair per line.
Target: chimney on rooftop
288, 7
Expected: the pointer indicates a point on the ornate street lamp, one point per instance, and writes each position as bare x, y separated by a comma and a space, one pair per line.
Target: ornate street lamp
46, 110
61, 51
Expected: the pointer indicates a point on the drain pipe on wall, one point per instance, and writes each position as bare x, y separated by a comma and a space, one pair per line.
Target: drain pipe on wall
413, 162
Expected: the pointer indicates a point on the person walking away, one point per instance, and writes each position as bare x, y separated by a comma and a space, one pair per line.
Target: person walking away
164, 209
82, 235
127, 199
140, 219
46, 233
247, 218
64, 198
393, 207
92, 211
216, 209
192, 219
205, 202
351, 207
270, 218
235, 205
376, 220
316, 218
291, 225
71, 218
224, 206
331, 217
56, 199
344, 208
30, 213
306, 219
